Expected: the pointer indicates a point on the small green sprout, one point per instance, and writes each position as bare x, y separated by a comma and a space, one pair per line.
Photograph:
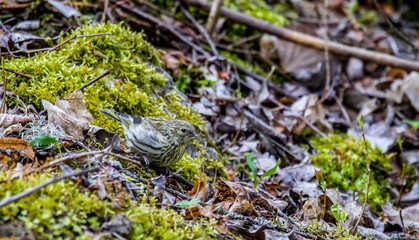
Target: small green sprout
340, 216
256, 180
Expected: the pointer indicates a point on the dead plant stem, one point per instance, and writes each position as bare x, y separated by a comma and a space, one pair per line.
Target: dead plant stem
3, 102
326, 51
369, 179
212, 17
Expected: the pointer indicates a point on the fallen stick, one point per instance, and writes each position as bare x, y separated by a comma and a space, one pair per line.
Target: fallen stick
308, 40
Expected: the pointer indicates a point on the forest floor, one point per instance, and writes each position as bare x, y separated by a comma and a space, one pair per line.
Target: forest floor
307, 115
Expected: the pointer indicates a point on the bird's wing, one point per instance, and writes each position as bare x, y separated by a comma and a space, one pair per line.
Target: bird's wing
155, 124
148, 136
135, 119
125, 119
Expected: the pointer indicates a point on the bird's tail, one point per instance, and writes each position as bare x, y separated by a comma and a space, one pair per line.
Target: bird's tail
125, 120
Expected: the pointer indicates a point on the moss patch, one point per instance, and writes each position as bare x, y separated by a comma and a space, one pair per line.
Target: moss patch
344, 166
155, 223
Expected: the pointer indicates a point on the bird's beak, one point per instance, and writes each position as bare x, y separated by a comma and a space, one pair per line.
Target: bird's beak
194, 134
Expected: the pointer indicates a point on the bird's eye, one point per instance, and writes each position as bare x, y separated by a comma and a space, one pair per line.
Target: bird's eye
183, 130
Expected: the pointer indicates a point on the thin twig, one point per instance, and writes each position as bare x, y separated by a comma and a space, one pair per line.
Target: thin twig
301, 117
401, 219
85, 85
5, 39
53, 48
172, 30
326, 51
105, 9
28, 192
60, 160
3, 101
343, 110
201, 30
245, 39
125, 158
106, 72
369, 175
237, 133
78, 143
18, 73
74, 37
259, 78
14, 5
260, 126
281, 214
393, 29
212, 17
403, 173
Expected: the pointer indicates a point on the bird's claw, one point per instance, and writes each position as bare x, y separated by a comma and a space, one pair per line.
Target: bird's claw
164, 171
143, 160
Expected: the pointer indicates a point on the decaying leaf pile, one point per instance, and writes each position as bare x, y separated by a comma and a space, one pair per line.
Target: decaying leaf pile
274, 88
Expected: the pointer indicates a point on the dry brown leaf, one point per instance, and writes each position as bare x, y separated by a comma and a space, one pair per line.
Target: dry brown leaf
18, 144
199, 185
224, 75
198, 211
71, 114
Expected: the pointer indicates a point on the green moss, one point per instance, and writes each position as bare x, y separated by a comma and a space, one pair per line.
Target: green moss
258, 9
133, 87
152, 223
61, 211
368, 18
344, 166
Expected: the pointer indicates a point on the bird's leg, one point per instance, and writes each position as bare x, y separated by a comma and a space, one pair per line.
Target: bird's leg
142, 160
164, 171
146, 161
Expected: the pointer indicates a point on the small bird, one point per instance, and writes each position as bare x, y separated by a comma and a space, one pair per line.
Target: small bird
161, 141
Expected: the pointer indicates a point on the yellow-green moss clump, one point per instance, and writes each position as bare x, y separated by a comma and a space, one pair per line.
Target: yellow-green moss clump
133, 87
344, 166
61, 211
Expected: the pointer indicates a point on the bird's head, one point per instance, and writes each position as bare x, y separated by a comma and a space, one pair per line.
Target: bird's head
183, 131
